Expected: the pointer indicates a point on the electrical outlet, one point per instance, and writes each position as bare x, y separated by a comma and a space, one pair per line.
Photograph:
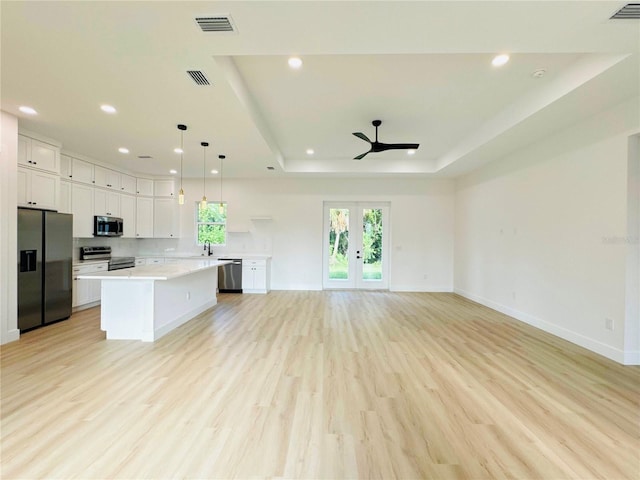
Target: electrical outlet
608, 323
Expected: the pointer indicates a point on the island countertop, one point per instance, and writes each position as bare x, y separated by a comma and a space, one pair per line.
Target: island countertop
155, 272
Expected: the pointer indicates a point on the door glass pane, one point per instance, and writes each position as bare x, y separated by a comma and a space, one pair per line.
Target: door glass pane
338, 243
372, 244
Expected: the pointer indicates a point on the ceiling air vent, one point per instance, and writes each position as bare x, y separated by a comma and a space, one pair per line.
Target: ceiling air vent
145, 156
217, 23
629, 11
198, 77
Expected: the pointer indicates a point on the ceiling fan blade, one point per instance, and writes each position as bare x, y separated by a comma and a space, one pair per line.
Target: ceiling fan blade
399, 146
361, 156
362, 136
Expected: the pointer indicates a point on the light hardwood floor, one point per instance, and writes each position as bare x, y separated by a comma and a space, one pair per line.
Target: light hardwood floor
318, 385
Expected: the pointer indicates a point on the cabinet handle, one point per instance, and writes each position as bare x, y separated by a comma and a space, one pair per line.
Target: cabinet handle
34, 203
35, 163
70, 176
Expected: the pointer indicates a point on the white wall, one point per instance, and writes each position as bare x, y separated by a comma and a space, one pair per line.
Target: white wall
8, 228
536, 233
421, 226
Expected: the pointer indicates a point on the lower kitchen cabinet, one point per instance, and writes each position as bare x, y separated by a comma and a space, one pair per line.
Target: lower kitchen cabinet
86, 293
255, 276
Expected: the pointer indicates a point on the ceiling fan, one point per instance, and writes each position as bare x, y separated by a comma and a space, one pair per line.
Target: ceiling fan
381, 147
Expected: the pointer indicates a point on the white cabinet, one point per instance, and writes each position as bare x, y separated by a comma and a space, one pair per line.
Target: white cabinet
127, 184
65, 167
64, 204
106, 178
144, 186
128, 214
81, 171
255, 276
86, 292
36, 154
106, 202
144, 217
38, 189
164, 218
82, 209
164, 188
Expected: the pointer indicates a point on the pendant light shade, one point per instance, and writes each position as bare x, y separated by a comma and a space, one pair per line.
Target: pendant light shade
182, 128
221, 206
203, 202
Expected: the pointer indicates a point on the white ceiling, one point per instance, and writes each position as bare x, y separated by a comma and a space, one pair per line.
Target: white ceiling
422, 67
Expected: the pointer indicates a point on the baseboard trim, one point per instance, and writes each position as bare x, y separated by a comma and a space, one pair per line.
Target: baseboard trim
12, 335
595, 346
421, 288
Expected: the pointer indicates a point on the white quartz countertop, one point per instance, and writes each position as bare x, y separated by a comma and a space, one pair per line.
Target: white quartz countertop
155, 272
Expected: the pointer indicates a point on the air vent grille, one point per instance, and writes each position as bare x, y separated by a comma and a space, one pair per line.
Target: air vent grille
145, 156
198, 77
218, 23
629, 11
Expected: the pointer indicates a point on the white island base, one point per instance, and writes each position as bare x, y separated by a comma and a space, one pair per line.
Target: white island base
145, 303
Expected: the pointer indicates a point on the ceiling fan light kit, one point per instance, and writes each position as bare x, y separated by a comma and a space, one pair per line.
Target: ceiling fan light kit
377, 146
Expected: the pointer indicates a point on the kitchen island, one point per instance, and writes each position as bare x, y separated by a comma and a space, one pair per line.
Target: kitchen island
147, 302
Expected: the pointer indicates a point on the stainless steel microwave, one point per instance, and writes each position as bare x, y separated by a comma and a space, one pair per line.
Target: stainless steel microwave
107, 226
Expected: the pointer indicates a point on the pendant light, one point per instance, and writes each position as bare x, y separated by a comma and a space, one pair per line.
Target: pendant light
221, 206
203, 202
182, 128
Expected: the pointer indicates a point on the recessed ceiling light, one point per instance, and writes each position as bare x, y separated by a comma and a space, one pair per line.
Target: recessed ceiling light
295, 62
500, 60
123, 150
539, 73
178, 150
214, 171
108, 108
411, 152
310, 151
173, 172
28, 110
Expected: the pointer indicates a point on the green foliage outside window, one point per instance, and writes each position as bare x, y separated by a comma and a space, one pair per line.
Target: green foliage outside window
211, 223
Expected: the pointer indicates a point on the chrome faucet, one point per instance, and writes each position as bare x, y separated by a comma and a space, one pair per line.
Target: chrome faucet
207, 247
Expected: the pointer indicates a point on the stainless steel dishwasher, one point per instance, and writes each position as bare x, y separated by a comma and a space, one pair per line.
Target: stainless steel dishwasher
230, 276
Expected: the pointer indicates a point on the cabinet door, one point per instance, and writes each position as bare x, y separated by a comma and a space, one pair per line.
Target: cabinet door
81, 171
65, 167
144, 217
64, 205
247, 277
144, 186
45, 156
128, 214
259, 278
163, 188
44, 190
82, 291
106, 178
23, 194
127, 184
24, 150
94, 290
164, 218
82, 209
113, 204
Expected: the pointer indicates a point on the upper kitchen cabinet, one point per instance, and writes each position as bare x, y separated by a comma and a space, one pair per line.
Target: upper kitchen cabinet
144, 186
38, 189
106, 178
165, 223
128, 184
75, 170
164, 188
36, 154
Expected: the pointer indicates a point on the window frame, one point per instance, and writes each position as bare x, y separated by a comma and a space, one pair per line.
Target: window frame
198, 223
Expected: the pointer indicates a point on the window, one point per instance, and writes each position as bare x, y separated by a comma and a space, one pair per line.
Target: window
211, 223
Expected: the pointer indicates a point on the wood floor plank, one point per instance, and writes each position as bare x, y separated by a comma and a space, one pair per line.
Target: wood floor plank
318, 385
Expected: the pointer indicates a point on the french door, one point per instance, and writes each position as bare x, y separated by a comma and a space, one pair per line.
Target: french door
356, 243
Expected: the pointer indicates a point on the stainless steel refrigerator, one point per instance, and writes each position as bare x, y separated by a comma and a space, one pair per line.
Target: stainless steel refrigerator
45, 246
